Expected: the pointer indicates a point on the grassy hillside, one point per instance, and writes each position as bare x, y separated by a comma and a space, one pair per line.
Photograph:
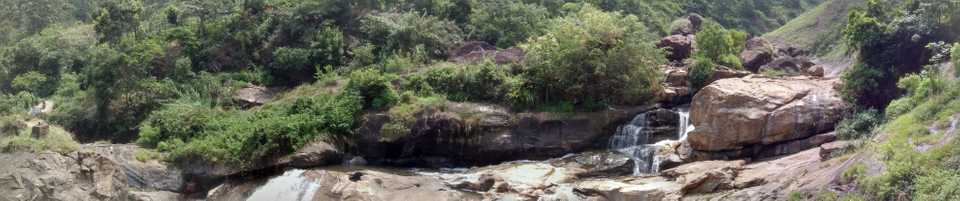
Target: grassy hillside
819, 29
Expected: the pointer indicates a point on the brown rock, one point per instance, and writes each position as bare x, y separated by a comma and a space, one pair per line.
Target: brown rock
679, 47
252, 96
733, 113
829, 150
758, 52
816, 71
315, 154
753, 60
705, 176
789, 65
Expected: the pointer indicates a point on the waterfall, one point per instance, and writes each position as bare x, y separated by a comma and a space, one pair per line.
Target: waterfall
634, 139
684, 127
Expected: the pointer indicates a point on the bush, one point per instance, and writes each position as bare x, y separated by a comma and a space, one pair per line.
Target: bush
955, 58
20, 102
507, 22
938, 185
33, 82
720, 45
701, 72
57, 140
404, 33
404, 116
591, 55
860, 125
484, 82
374, 88
859, 84
242, 137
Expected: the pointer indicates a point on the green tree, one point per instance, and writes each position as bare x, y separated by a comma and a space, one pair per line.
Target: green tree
33, 82
594, 56
506, 22
116, 18
410, 33
720, 45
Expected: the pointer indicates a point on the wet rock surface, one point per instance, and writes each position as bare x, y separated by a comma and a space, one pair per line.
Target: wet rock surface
476, 134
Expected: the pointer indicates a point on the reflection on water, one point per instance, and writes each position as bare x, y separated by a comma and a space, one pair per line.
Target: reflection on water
291, 186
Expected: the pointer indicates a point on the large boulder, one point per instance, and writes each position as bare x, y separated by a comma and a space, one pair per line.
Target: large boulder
253, 95
733, 114
688, 25
758, 52
791, 66
679, 47
478, 134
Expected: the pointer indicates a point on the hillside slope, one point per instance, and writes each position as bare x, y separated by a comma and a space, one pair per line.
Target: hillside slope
819, 30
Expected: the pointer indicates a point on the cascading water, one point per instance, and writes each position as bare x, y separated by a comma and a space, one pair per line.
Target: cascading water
634, 139
684, 127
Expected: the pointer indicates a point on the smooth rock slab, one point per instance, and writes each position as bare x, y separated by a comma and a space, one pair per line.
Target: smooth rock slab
732, 114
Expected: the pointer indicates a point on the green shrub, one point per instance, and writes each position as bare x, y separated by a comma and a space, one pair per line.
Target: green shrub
955, 58
483, 82
899, 107
938, 185
240, 138
701, 72
507, 22
57, 140
33, 82
375, 89
591, 54
720, 45
860, 125
405, 32
403, 116
21, 102
859, 82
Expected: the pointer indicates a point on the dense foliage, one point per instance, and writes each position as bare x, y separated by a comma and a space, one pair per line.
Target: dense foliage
163, 72
891, 39
591, 55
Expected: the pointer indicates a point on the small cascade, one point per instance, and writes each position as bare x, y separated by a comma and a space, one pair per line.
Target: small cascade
685, 126
635, 140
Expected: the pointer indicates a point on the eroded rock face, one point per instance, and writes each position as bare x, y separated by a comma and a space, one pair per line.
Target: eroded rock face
96, 172
733, 114
476, 134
